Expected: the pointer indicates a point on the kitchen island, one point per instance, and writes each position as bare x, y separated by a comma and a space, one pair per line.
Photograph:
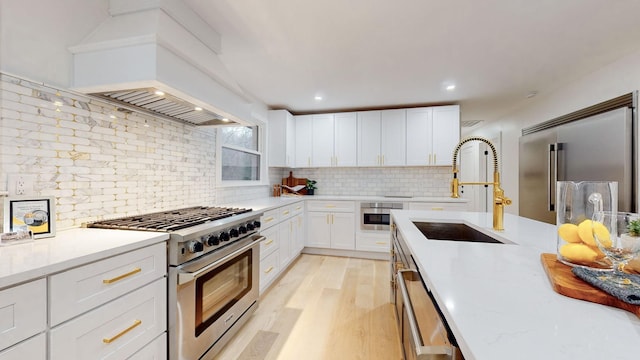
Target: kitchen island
497, 298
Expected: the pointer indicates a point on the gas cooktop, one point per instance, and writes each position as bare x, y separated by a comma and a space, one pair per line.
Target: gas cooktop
168, 221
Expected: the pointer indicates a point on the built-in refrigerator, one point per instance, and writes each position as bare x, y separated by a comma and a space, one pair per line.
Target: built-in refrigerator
594, 148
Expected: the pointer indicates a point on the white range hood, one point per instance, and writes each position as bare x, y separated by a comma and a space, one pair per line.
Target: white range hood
151, 47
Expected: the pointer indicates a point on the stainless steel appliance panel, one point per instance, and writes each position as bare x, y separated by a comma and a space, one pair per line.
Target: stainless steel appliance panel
597, 148
377, 215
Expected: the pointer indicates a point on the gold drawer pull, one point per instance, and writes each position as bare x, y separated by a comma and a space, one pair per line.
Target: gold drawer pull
437, 208
110, 340
268, 270
381, 243
268, 242
270, 218
299, 207
120, 277
330, 206
285, 212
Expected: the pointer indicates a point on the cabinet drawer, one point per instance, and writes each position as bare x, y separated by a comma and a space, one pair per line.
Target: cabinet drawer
270, 218
297, 208
116, 330
23, 312
81, 289
157, 350
285, 212
269, 269
332, 206
270, 243
444, 206
373, 242
32, 349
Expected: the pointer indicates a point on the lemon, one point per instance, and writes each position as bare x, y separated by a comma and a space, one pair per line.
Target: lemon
569, 233
586, 230
578, 253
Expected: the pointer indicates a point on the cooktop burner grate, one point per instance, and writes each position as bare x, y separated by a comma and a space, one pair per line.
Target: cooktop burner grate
168, 221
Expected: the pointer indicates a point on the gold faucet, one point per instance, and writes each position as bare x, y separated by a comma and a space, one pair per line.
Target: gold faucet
499, 200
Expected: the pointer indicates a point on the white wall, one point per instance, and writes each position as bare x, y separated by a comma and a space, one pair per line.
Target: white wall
35, 35
618, 78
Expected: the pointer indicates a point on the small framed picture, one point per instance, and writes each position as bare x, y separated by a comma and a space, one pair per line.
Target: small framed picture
34, 213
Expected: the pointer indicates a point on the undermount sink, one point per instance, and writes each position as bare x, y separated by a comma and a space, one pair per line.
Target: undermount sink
454, 232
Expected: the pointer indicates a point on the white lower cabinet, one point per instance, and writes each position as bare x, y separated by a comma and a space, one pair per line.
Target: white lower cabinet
23, 313
370, 241
32, 349
282, 244
331, 224
115, 330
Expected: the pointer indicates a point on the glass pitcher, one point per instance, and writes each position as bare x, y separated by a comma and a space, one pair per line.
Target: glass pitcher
575, 206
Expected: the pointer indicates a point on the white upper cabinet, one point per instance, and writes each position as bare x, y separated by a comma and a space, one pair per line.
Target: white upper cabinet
393, 137
432, 134
381, 138
282, 138
369, 138
322, 142
446, 133
419, 134
345, 147
303, 149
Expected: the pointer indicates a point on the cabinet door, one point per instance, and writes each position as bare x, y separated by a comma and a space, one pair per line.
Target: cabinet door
298, 235
393, 140
290, 141
419, 135
284, 236
343, 231
369, 138
446, 133
318, 229
322, 143
23, 312
278, 140
346, 136
303, 141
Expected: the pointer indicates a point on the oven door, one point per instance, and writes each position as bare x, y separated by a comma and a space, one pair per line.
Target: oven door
212, 296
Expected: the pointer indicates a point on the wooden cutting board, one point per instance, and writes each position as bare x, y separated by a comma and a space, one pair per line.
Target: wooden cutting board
564, 282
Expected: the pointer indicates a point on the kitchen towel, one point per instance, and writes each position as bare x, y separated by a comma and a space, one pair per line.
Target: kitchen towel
604, 280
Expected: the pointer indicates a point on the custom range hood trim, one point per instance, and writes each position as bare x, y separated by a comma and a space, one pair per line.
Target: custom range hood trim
144, 46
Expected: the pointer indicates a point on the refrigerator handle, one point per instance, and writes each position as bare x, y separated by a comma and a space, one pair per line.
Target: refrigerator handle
552, 166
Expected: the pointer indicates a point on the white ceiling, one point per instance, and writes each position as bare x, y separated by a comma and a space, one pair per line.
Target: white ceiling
362, 54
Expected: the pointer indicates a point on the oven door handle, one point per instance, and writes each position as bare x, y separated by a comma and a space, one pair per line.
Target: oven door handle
188, 276
420, 348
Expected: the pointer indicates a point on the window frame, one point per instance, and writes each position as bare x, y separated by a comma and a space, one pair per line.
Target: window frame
263, 175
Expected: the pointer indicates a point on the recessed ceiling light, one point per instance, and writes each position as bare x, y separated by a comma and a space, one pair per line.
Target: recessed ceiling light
318, 97
225, 119
197, 108
451, 87
159, 93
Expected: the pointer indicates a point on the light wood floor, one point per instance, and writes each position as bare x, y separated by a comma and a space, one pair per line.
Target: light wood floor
323, 308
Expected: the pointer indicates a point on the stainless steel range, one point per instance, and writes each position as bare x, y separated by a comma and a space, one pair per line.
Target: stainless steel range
213, 257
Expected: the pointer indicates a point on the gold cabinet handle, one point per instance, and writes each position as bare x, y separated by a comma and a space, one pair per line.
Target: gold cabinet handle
437, 208
270, 218
378, 160
381, 243
286, 212
268, 242
120, 277
270, 269
434, 159
330, 206
298, 207
110, 340
430, 156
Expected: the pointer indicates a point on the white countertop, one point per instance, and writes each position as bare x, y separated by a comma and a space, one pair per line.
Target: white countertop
69, 248
497, 298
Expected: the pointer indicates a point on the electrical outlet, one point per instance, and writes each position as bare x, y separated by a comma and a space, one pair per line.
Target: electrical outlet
18, 184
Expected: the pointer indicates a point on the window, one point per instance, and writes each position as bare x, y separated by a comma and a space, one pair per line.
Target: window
241, 159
